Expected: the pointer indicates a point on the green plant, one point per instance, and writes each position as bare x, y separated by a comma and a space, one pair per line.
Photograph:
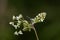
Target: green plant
27, 26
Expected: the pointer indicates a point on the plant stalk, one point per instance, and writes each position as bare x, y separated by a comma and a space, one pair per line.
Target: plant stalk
35, 32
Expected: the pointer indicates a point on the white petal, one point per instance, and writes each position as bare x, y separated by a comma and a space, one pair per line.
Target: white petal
14, 17
36, 16
20, 16
39, 14
11, 22
42, 20
43, 14
16, 33
17, 18
15, 26
20, 32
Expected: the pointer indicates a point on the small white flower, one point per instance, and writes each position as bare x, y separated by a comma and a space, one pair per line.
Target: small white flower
20, 32
17, 17
16, 33
15, 26
41, 20
14, 17
36, 16
11, 23
20, 16
39, 14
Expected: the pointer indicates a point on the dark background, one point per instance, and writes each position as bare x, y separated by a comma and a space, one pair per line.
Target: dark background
48, 30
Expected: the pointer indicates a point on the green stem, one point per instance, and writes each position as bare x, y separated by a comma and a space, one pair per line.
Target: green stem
35, 32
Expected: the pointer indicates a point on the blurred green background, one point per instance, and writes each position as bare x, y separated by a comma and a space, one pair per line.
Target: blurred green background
48, 30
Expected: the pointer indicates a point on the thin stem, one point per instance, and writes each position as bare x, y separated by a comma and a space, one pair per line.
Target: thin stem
35, 32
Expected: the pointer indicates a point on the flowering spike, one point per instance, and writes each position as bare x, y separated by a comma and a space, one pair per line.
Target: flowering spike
39, 18
26, 25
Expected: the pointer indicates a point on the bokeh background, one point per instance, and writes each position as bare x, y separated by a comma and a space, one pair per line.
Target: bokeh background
48, 30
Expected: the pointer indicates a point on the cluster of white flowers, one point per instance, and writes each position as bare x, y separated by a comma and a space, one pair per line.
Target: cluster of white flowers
18, 21
26, 25
39, 18
18, 24
17, 33
17, 17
